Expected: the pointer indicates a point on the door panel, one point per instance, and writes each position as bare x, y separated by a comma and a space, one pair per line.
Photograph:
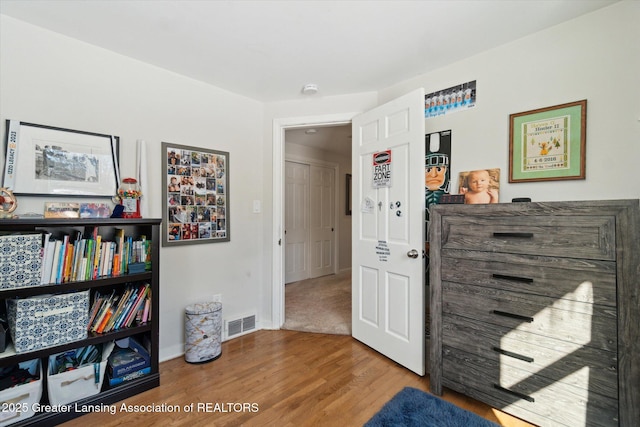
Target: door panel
388, 301
296, 219
322, 221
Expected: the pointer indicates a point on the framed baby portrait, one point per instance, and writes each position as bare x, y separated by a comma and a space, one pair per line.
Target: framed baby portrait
548, 144
195, 184
480, 186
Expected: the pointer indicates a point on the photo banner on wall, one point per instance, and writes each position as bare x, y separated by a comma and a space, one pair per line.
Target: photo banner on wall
195, 195
450, 100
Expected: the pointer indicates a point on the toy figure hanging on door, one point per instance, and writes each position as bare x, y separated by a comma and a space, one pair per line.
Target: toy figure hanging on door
436, 168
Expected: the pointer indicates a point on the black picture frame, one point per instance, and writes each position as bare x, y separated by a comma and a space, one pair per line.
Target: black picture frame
45, 160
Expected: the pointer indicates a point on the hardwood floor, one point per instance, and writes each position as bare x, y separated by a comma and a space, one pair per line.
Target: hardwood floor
280, 378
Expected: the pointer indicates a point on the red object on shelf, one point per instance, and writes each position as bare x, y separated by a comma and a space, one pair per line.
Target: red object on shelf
129, 194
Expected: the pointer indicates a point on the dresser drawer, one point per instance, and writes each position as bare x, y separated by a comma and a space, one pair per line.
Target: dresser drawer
580, 323
523, 394
577, 280
589, 237
533, 354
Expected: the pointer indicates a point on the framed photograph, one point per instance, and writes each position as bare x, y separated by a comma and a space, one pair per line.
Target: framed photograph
480, 186
61, 210
548, 144
348, 195
195, 184
45, 160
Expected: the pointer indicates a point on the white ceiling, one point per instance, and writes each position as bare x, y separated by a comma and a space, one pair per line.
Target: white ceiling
267, 50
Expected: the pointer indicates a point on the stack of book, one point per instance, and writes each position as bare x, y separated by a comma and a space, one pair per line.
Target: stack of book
110, 312
71, 258
128, 360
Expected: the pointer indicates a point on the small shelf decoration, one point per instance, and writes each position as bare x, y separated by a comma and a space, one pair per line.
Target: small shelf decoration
8, 203
129, 197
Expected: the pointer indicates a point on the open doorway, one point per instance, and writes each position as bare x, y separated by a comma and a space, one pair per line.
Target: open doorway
295, 141
317, 243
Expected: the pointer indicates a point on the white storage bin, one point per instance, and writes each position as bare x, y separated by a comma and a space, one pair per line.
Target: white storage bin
48, 320
17, 402
79, 383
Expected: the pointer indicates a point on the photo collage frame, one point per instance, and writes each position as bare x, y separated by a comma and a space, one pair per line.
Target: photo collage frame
196, 195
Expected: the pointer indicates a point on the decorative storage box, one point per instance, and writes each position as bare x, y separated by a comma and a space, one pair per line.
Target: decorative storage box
48, 320
78, 383
20, 260
17, 402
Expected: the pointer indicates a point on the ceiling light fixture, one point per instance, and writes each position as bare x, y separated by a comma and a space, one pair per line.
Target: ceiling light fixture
310, 89
310, 131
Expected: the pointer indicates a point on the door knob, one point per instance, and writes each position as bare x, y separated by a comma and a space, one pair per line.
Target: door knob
412, 253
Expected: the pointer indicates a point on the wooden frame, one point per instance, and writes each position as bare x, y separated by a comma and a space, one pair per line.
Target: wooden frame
46, 160
548, 144
195, 205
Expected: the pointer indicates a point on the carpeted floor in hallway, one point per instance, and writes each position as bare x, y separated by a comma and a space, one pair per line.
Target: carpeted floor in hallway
321, 305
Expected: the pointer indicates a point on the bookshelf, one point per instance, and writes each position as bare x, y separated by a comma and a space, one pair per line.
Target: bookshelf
116, 282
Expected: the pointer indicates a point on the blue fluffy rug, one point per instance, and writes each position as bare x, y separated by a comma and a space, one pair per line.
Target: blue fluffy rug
415, 408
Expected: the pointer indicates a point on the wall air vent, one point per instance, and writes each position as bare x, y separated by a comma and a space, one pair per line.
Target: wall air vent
241, 326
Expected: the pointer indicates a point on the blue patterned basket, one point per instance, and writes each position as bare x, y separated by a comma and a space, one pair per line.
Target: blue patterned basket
20, 260
48, 320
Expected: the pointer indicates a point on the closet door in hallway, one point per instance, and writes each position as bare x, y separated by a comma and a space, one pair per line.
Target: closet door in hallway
323, 212
309, 221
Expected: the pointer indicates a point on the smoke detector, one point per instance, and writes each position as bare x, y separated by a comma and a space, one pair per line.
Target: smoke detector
310, 89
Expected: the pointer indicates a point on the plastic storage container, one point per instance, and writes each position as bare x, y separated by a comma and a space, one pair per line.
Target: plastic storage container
203, 332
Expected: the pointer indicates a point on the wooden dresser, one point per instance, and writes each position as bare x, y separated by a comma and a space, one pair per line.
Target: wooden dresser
535, 309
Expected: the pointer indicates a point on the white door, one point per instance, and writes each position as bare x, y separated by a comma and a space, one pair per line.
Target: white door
388, 290
323, 212
296, 221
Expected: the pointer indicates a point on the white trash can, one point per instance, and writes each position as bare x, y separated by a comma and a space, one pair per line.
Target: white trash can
203, 332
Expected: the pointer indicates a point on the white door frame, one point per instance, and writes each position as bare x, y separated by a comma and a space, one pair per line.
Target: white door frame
279, 127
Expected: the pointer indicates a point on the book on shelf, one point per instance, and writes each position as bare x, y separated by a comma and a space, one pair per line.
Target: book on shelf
75, 257
47, 259
132, 376
117, 311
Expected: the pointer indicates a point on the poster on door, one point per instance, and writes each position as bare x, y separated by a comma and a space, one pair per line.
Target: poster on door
382, 169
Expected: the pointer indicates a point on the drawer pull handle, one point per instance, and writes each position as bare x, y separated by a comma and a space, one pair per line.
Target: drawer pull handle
513, 316
514, 355
513, 278
515, 393
513, 234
